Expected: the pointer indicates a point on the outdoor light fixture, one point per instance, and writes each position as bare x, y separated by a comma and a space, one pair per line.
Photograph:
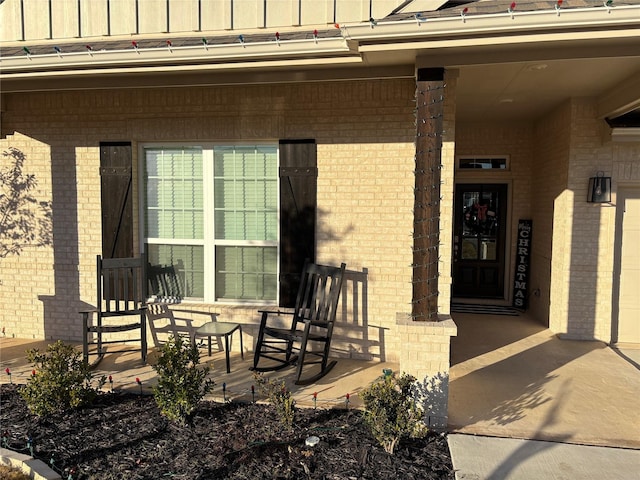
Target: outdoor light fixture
599, 189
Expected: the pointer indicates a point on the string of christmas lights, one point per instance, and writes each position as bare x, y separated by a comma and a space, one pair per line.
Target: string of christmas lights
426, 211
169, 46
418, 18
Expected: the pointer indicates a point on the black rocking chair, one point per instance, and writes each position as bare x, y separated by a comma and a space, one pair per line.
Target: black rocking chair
311, 326
120, 306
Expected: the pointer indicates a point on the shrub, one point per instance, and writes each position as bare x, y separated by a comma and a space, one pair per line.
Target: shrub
181, 382
391, 412
279, 397
61, 380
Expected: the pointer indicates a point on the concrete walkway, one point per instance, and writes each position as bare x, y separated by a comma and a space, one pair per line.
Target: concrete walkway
490, 458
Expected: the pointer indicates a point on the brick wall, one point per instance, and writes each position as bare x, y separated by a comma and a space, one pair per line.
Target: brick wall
27, 277
365, 134
577, 246
590, 240
551, 214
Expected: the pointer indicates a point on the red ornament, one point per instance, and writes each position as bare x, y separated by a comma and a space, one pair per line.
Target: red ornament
110, 379
169, 43
135, 44
138, 381
513, 6
337, 25
465, 10
315, 395
33, 373
8, 371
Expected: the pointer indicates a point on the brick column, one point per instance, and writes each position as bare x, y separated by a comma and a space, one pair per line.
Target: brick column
425, 355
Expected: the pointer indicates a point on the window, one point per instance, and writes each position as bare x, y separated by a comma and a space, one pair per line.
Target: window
211, 215
485, 163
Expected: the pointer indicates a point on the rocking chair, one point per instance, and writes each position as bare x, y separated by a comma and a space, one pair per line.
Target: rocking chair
121, 296
311, 325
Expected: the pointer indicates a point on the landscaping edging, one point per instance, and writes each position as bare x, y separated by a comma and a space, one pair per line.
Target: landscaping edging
34, 468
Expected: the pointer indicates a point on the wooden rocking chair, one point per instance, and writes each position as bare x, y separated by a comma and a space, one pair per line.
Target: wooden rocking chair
311, 325
121, 296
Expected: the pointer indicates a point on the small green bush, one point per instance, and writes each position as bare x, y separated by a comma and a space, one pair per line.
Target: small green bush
391, 412
181, 382
62, 380
279, 397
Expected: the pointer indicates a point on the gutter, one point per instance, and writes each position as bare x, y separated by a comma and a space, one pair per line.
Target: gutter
175, 57
508, 23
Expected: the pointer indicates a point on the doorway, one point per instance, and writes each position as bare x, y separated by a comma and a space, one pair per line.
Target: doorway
480, 212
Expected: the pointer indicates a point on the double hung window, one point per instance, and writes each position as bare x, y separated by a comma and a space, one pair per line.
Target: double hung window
211, 215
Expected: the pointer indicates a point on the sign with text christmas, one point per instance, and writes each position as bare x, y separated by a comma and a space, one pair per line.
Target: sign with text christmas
523, 254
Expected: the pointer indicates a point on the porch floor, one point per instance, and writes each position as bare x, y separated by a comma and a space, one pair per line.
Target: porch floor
512, 377
347, 377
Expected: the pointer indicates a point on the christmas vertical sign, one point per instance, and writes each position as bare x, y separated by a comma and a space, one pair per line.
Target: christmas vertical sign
523, 256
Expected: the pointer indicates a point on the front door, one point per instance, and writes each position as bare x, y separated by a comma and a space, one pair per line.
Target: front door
479, 240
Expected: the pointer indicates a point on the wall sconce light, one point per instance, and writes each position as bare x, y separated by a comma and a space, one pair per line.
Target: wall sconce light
599, 189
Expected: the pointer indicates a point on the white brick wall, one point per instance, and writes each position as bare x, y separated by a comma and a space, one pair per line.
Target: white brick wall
365, 136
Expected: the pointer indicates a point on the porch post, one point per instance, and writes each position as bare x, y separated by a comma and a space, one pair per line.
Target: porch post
426, 211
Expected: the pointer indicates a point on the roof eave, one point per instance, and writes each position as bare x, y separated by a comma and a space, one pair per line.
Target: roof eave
182, 58
501, 24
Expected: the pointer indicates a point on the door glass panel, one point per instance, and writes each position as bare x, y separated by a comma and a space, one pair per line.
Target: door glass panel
479, 224
469, 248
487, 249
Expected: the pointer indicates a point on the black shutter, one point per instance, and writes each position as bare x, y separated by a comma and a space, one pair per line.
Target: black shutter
298, 188
117, 206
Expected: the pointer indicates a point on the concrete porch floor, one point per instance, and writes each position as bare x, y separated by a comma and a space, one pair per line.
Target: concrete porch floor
512, 377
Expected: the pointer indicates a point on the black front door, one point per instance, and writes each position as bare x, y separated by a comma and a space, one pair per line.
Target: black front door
479, 240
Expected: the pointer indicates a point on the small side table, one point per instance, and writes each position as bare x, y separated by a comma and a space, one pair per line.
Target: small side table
221, 329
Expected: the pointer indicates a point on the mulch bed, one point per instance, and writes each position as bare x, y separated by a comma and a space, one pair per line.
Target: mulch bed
124, 436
